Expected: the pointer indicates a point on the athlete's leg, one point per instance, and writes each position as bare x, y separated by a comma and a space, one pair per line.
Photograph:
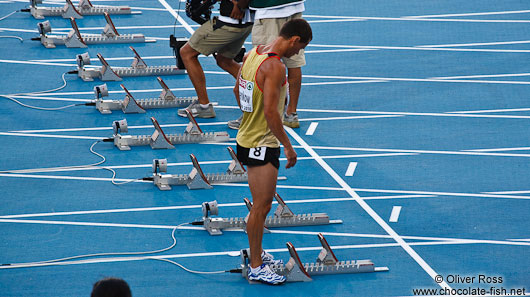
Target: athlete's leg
262, 183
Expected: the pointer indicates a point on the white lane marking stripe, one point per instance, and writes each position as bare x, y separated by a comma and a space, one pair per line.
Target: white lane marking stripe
50, 136
177, 16
226, 253
476, 44
501, 149
312, 128
177, 207
492, 110
379, 236
351, 168
470, 14
286, 187
395, 214
367, 208
404, 152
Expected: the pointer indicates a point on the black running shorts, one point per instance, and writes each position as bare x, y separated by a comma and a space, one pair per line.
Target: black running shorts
259, 156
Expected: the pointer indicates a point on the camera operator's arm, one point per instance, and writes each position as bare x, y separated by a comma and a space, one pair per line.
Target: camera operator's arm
238, 12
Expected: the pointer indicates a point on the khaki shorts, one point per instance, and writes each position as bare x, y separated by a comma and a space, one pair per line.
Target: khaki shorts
226, 41
265, 31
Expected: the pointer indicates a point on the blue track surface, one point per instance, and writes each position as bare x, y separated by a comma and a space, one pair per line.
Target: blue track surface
428, 98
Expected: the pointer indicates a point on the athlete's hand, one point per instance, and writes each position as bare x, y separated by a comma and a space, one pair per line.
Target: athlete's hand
237, 13
290, 154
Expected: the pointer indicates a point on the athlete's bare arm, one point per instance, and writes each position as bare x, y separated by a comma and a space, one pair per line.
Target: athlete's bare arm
271, 77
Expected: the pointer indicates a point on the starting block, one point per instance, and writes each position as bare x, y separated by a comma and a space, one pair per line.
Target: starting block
159, 140
70, 11
75, 39
197, 179
130, 105
283, 217
107, 73
326, 263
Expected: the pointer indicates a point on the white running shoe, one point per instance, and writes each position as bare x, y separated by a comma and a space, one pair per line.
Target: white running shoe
269, 259
265, 275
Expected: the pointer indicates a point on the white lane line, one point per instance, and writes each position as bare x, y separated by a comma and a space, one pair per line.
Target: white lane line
499, 196
382, 114
510, 192
420, 19
50, 136
394, 216
476, 44
484, 76
180, 207
312, 128
212, 254
351, 168
422, 151
277, 231
471, 14
367, 208
501, 149
492, 110
405, 152
177, 16
90, 168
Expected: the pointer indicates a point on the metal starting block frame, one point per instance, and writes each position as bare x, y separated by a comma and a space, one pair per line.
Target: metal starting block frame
283, 217
70, 11
326, 263
130, 105
107, 73
75, 39
159, 140
197, 179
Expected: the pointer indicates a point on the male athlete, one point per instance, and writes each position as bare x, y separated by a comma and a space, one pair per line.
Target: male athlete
260, 91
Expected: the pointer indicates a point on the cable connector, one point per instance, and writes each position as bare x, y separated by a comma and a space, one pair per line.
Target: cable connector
90, 104
197, 223
25, 10
69, 72
108, 139
237, 270
148, 178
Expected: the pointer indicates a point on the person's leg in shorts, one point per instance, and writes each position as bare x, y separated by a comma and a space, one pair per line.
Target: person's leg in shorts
263, 32
262, 178
227, 42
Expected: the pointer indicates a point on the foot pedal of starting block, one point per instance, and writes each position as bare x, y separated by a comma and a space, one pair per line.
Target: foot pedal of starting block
109, 30
159, 139
70, 11
129, 104
106, 73
235, 166
197, 179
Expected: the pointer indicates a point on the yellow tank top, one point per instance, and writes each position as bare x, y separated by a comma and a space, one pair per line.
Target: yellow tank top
254, 131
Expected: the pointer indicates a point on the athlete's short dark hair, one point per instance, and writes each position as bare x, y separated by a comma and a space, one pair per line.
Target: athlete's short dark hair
111, 287
297, 27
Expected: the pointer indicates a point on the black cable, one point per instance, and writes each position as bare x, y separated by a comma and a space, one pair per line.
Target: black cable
176, 19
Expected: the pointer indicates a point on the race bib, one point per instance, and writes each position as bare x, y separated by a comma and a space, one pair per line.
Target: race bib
257, 153
246, 88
